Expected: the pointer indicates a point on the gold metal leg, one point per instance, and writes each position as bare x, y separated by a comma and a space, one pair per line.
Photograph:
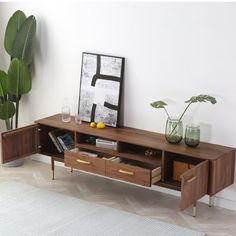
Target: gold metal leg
71, 169
211, 201
52, 167
194, 210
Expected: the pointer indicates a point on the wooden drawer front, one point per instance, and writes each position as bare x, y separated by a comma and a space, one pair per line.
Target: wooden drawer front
133, 174
84, 162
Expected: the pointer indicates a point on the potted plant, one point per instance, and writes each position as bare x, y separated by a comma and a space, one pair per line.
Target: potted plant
174, 128
18, 43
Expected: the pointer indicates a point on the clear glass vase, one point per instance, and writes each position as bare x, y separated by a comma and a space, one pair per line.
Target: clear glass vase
65, 114
174, 130
192, 135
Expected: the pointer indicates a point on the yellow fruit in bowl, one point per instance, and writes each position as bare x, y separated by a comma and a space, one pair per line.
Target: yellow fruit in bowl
100, 125
92, 124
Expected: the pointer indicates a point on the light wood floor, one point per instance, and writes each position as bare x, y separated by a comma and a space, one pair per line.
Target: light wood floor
141, 201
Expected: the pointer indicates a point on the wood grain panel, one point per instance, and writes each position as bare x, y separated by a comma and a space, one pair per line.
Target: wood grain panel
194, 184
19, 143
221, 173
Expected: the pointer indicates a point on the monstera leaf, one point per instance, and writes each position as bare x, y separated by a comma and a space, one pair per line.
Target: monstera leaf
194, 99
202, 98
13, 26
19, 78
7, 110
158, 104
23, 44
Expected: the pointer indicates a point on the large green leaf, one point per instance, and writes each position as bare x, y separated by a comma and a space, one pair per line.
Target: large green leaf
4, 94
3, 83
7, 110
13, 27
19, 78
23, 44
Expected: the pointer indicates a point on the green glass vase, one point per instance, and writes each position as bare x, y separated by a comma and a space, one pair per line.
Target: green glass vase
174, 130
192, 135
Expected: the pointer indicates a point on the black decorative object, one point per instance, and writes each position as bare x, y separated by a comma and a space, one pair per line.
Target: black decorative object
100, 88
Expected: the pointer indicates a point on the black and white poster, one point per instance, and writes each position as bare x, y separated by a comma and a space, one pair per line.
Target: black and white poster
100, 88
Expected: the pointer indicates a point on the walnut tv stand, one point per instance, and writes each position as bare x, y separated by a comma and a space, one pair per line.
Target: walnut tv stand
142, 157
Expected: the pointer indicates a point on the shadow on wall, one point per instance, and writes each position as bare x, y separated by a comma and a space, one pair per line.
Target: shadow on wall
4, 57
206, 131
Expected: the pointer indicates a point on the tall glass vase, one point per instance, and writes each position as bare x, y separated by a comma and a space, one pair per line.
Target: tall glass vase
174, 130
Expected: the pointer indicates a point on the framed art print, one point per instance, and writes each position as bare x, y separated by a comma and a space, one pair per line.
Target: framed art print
100, 88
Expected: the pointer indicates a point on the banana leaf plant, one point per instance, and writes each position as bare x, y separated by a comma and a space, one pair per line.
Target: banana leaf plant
7, 107
18, 43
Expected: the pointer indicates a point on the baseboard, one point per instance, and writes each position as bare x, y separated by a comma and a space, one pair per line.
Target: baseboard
219, 201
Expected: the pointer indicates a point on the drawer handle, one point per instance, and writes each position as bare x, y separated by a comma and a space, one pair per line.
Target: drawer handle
126, 172
191, 179
83, 162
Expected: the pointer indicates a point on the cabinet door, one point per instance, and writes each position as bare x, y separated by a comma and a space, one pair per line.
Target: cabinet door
194, 184
19, 143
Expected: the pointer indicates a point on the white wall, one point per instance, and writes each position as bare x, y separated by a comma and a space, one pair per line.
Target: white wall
172, 50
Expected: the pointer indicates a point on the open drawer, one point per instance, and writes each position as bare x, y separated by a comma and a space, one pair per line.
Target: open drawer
87, 161
133, 171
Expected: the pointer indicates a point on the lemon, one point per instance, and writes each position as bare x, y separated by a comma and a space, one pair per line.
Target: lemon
92, 124
100, 125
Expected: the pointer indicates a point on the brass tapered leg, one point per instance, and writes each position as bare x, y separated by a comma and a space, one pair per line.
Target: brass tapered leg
52, 167
194, 210
71, 169
211, 201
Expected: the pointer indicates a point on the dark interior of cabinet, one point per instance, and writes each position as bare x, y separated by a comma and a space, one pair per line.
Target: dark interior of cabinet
88, 139
47, 146
135, 163
168, 168
102, 155
89, 142
140, 153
